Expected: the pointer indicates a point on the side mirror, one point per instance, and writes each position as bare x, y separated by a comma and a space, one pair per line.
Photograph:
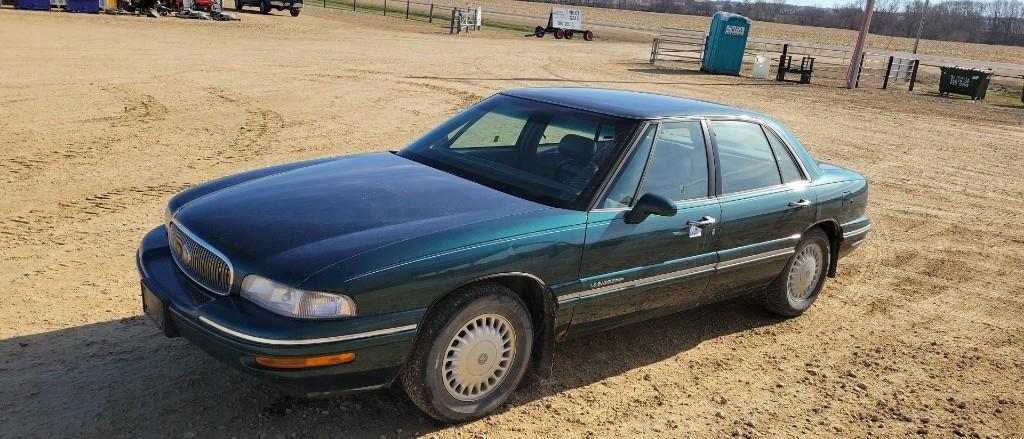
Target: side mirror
650, 204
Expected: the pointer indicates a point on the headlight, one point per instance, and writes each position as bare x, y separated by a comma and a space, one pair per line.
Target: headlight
293, 302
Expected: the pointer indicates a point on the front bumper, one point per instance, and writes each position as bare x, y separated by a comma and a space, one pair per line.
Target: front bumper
235, 331
285, 4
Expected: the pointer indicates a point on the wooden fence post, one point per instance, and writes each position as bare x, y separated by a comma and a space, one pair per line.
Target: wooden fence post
451, 29
385, 8
406, 9
913, 74
888, 70
860, 70
353, 5
431, 19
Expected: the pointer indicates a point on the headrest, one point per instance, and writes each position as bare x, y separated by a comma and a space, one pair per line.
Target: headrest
577, 147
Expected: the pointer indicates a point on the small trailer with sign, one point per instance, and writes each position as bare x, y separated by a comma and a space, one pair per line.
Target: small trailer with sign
564, 23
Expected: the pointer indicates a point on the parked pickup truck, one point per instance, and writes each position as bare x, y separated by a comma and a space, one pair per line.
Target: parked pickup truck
293, 6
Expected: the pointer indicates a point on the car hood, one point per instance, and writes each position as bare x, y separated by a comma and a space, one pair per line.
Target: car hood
289, 225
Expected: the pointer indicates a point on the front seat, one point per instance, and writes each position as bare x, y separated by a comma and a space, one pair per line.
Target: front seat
579, 167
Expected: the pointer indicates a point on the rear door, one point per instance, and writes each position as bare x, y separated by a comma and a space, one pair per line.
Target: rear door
766, 205
631, 271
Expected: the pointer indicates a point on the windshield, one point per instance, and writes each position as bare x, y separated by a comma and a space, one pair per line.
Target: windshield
541, 152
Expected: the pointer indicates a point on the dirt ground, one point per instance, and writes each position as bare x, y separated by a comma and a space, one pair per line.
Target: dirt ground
103, 118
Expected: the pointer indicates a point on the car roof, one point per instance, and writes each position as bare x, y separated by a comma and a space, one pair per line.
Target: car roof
624, 103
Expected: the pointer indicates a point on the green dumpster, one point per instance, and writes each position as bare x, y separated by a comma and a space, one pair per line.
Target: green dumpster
964, 81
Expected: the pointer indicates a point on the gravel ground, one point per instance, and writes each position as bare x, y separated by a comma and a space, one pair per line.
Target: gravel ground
104, 118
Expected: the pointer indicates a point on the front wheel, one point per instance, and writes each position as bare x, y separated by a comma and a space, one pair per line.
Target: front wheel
798, 285
588, 35
539, 31
238, 5
559, 34
471, 353
264, 7
295, 12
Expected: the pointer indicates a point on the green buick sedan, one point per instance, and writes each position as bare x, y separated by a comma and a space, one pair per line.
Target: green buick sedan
451, 267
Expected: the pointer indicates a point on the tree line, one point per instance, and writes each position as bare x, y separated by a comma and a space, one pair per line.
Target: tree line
971, 21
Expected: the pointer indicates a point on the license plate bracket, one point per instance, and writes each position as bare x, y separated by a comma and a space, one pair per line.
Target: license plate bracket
157, 311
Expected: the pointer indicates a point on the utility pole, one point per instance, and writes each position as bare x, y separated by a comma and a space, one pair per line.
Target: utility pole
920, 25
853, 72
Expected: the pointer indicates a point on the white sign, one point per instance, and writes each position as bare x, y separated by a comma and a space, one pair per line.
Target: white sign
734, 30
562, 18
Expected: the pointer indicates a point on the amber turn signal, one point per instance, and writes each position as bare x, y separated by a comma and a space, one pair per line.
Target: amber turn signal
302, 363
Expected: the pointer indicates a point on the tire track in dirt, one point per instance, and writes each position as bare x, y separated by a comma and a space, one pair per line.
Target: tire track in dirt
463, 98
39, 226
139, 108
259, 127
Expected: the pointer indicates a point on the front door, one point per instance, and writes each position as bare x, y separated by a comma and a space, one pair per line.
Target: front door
631, 271
766, 205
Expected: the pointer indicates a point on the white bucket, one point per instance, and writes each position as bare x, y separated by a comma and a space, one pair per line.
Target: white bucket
762, 64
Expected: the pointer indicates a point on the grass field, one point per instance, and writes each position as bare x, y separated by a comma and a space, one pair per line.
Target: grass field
104, 118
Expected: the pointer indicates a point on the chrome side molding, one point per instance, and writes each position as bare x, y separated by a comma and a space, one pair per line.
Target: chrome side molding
307, 341
860, 231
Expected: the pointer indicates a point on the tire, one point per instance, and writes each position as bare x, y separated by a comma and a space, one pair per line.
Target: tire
432, 377
238, 5
539, 31
559, 34
264, 7
796, 288
295, 12
569, 34
588, 35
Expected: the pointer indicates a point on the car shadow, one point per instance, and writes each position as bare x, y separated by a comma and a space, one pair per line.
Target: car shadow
121, 378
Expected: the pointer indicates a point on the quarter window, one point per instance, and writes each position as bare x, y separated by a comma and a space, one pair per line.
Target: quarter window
787, 166
745, 156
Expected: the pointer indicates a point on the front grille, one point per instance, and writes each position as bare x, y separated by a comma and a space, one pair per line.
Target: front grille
200, 262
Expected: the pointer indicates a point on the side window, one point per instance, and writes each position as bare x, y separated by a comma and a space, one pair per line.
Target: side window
678, 168
744, 155
492, 130
624, 188
787, 165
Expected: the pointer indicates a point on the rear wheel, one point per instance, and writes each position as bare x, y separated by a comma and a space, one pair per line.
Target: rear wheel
238, 5
588, 35
295, 12
264, 7
568, 34
471, 353
798, 285
559, 34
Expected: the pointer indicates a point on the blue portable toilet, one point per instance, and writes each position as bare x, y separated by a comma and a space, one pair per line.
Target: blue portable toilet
33, 5
727, 40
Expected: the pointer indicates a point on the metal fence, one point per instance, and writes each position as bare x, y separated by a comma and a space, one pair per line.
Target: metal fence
808, 61
455, 18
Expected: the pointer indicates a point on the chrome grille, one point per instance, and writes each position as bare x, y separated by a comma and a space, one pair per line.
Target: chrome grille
199, 261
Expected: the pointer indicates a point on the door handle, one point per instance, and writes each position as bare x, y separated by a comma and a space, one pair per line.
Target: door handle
800, 203
705, 221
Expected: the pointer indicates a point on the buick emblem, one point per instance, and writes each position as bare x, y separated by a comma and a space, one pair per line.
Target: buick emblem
482, 359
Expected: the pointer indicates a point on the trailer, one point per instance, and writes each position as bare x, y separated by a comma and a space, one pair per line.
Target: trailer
564, 23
